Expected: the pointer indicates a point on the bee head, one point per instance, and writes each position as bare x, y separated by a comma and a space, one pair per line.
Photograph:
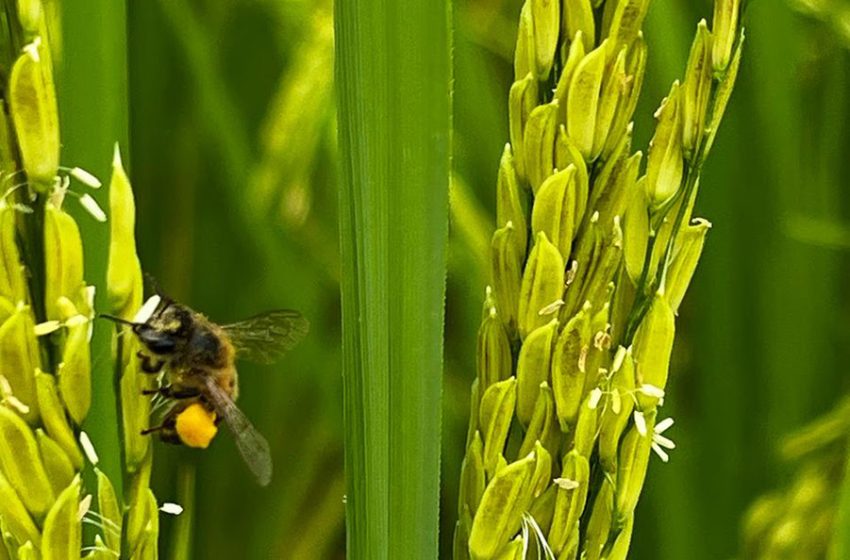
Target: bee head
167, 331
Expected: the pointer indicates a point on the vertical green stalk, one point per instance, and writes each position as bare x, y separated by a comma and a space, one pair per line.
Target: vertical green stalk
93, 111
393, 72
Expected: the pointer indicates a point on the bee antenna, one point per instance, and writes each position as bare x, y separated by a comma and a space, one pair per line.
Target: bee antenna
154, 285
115, 319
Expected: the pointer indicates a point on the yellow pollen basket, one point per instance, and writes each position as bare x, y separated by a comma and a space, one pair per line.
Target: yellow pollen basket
196, 426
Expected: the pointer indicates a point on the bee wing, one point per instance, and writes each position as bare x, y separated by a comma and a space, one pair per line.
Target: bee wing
264, 337
252, 445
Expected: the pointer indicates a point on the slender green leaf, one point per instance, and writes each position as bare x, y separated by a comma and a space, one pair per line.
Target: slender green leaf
393, 79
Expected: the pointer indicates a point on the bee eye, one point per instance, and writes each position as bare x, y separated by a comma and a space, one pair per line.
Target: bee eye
158, 342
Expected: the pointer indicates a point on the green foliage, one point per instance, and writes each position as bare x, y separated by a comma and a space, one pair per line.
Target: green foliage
393, 71
233, 159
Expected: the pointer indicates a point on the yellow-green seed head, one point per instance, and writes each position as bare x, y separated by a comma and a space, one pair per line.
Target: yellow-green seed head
665, 165
688, 249
547, 25
34, 114
578, 17
18, 359
494, 351
22, 465
63, 261
63, 529
542, 285
599, 525
506, 274
124, 273
725, 28
618, 411
55, 419
521, 101
559, 208
509, 207
544, 424
472, 477
495, 414
696, 91
652, 348
571, 496
57, 465
12, 283
583, 99
533, 368
538, 143
569, 367
633, 462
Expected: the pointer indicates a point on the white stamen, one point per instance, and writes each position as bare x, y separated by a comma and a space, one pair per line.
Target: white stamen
89, 295
595, 397
84, 506
602, 340
32, 49
582, 358
88, 448
147, 310
46, 327
5, 386
640, 422
660, 452
652, 391
15, 403
10, 399
566, 483
91, 206
664, 442
662, 426
616, 402
571, 273
86, 549
542, 543
551, 308
171, 508
89, 292
619, 357
85, 177
76, 320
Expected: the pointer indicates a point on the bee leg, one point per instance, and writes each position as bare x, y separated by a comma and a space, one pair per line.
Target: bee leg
148, 365
169, 393
153, 429
184, 394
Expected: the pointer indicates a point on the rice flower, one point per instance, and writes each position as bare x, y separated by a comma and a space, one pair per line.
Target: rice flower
46, 314
592, 254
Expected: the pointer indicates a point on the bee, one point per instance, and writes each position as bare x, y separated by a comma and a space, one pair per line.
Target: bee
196, 359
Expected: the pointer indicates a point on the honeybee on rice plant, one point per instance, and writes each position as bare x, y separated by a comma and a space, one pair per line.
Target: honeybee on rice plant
200, 379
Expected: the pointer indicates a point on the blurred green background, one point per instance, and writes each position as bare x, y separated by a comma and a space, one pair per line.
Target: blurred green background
232, 152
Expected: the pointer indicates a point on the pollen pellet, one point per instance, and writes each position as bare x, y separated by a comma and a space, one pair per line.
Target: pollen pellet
196, 426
